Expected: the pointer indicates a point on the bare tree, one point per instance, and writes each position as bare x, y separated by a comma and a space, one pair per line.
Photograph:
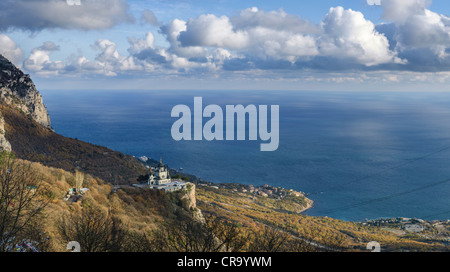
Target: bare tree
22, 200
142, 242
213, 235
95, 230
188, 236
229, 237
269, 240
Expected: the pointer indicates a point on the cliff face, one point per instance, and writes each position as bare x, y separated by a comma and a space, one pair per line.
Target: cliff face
4, 143
190, 202
18, 90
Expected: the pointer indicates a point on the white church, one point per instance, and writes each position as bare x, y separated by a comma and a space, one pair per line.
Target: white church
159, 178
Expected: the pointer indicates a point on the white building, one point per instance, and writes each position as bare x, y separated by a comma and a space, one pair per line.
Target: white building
160, 177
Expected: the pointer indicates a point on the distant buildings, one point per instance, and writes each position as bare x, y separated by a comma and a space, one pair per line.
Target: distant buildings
143, 159
414, 228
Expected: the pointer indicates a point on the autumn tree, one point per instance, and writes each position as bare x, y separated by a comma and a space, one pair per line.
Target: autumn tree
22, 201
95, 230
269, 239
212, 235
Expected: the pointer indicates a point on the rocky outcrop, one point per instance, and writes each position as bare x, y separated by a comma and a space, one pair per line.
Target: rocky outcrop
4, 144
190, 202
19, 91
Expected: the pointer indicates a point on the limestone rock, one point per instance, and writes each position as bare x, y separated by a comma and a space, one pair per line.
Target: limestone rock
191, 202
4, 144
18, 90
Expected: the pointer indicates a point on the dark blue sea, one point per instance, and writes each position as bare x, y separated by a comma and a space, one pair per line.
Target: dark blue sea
360, 155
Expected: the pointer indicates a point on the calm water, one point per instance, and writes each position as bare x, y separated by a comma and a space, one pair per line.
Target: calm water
360, 155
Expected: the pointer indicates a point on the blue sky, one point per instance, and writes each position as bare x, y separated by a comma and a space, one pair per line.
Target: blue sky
260, 44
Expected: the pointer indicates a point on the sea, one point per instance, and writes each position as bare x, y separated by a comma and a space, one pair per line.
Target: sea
358, 155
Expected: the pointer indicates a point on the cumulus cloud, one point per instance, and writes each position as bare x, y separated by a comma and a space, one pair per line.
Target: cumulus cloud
10, 50
210, 30
400, 10
108, 61
36, 15
347, 34
175, 58
277, 20
172, 31
417, 34
412, 39
39, 60
253, 32
278, 37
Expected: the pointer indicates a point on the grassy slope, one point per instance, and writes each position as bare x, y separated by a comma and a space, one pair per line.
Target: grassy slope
252, 212
141, 211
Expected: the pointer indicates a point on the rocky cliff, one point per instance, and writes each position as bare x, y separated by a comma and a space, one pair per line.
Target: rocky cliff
190, 202
19, 91
25, 130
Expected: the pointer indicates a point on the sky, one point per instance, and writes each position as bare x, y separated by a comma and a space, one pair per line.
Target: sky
229, 44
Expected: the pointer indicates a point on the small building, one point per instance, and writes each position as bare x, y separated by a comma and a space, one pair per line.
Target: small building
160, 177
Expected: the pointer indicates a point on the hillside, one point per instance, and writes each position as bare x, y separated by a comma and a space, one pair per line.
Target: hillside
32, 142
200, 218
25, 129
125, 219
306, 233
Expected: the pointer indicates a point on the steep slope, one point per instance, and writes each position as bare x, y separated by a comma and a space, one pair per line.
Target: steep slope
25, 129
33, 142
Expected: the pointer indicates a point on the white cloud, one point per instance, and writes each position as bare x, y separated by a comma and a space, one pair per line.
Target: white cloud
108, 61
278, 20
401, 10
39, 60
347, 34
36, 15
172, 31
139, 45
253, 32
276, 35
420, 35
10, 50
258, 42
427, 31
210, 30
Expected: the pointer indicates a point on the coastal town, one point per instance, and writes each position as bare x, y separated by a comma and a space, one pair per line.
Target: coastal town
429, 230
169, 180
263, 190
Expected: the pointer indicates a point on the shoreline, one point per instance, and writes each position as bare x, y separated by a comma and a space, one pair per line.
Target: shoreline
310, 203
